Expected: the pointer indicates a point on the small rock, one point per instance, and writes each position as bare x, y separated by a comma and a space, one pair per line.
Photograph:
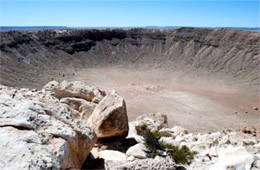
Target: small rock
112, 155
138, 151
179, 131
154, 121
255, 108
224, 140
166, 132
169, 140
249, 141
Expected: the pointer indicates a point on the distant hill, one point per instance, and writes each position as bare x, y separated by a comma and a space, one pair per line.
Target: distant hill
8, 28
243, 28
236, 28
5, 28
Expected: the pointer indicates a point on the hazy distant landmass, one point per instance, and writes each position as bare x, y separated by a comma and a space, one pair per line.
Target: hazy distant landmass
237, 28
10, 28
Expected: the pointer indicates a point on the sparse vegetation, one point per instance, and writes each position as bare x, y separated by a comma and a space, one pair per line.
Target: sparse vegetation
181, 155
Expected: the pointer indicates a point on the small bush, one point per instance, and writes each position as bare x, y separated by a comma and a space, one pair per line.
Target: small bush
181, 155
151, 139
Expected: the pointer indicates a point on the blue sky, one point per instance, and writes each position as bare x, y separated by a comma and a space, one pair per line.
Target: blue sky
123, 13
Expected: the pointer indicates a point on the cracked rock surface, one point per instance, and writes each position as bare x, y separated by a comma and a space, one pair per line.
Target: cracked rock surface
37, 131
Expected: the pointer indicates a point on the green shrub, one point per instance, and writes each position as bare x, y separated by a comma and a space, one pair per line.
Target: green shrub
151, 140
181, 155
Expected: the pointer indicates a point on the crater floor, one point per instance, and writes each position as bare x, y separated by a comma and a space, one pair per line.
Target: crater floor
202, 79
199, 103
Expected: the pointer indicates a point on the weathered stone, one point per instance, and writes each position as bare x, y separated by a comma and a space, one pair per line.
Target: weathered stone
153, 88
173, 132
166, 132
95, 152
234, 158
179, 131
75, 89
137, 151
51, 85
109, 118
38, 132
133, 134
249, 141
162, 163
224, 140
169, 140
83, 107
112, 155
154, 121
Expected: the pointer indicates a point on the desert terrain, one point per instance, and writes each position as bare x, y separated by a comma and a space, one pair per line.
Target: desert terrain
202, 79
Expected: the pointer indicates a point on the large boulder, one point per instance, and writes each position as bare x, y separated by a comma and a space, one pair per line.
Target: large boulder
109, 118
39, 132
75, 89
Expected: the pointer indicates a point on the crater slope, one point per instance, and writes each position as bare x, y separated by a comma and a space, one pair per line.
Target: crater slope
203, 79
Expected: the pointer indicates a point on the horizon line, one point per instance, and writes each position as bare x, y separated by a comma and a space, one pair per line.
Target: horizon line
132, 26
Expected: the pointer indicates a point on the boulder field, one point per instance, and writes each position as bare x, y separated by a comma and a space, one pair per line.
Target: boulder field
71, 125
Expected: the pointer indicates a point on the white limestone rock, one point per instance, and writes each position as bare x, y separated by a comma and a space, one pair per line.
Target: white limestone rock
236, 158
137, 151
112, 155
38, 132
75, 89
154, 121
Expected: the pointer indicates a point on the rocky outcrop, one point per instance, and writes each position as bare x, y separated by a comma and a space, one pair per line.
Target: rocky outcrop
75, 89
43, 130
218, 150
39, 132
109, 118
80, 98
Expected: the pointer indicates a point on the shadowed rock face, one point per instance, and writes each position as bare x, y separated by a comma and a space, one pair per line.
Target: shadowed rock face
30, 58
